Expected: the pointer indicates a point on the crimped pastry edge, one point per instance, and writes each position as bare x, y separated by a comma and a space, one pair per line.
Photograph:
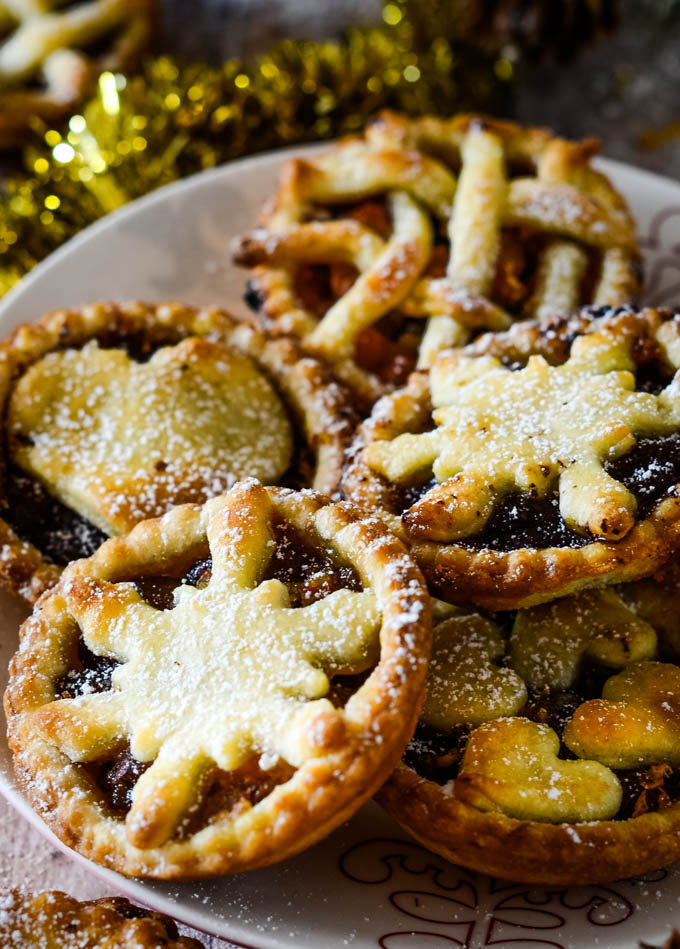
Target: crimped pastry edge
529, 851
296, 814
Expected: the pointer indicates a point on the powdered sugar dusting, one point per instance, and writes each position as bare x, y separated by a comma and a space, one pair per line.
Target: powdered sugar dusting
118, 441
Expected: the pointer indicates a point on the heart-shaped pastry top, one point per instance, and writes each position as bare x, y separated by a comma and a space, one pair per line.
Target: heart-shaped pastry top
512, 766
118, 440
636, 722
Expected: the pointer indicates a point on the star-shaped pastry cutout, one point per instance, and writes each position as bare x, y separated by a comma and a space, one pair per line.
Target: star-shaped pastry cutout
231, 671
498, 431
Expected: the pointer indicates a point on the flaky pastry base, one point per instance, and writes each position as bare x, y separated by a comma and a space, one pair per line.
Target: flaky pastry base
529, 851
322, 793
58, 921
321, 413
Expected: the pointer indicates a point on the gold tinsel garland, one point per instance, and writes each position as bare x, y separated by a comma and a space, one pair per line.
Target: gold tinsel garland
140, 132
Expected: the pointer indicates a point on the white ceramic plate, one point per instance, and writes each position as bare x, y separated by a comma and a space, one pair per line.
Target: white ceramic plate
367, 885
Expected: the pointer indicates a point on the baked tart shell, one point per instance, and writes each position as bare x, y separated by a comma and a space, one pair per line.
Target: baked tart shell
529, 851
522, 577
318, 407
322, 793
492, 190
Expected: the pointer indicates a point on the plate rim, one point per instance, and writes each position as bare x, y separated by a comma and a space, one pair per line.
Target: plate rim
140, 204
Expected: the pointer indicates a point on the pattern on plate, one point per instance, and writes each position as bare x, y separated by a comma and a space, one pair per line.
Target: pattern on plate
661, 249
472, 910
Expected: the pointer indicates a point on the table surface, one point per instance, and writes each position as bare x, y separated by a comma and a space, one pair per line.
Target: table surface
618, 89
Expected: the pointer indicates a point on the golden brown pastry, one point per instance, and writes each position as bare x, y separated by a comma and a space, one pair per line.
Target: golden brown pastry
388, 247
46, 59
547, 750
532, 464
53, 920
223, 686
116, 412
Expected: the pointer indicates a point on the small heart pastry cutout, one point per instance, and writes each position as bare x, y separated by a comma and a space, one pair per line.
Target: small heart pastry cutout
119, 441
635, 723
512, 766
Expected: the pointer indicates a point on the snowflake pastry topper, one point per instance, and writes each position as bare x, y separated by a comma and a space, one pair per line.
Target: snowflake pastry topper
499, 431
231, 671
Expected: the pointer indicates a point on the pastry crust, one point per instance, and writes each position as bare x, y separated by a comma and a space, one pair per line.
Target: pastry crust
509, 579
51, 46
57, 920
528, 851
319, 411
510, 806
657, 330
507, 200
358, 745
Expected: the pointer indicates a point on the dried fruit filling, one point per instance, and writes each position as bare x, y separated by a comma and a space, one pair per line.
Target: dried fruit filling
651, 471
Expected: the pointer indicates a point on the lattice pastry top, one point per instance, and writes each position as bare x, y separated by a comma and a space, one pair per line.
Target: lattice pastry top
45, 61
53, 920
554, 730
487, 454
466, 222
227, 690
115, 413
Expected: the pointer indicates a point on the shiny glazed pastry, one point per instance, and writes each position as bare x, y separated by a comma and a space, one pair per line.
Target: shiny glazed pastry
533, 463
548, 747
115, 413
386, 248
53, 920
223, 686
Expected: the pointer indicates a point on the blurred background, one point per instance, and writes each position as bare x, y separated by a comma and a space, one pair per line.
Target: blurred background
207, 81
610, 69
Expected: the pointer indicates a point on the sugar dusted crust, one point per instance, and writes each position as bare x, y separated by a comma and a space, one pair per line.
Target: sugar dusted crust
503, 580
486, 781
480, 179
528, 851
654, 327
318, 408
323, 791
57, 920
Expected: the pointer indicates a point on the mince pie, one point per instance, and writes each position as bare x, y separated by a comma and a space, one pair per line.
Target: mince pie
223, 686
533, 463
548, 750
386, 248
51, 52
53, 920
114, 413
